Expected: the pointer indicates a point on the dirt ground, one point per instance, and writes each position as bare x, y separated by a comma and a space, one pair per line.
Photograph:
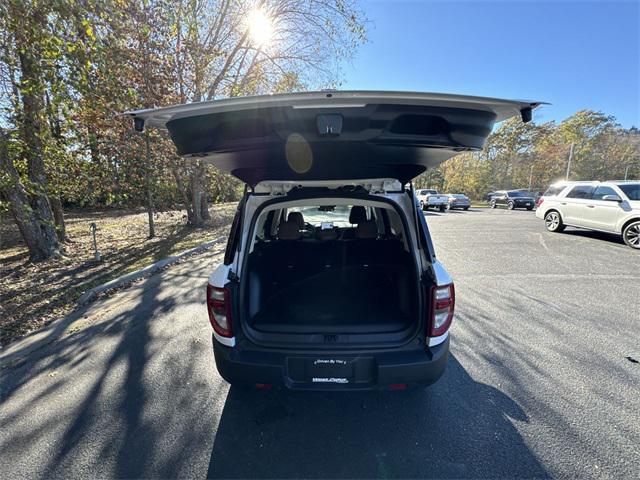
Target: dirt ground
33, 294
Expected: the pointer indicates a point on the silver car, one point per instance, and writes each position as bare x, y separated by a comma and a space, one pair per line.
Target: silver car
458, 200
612, 207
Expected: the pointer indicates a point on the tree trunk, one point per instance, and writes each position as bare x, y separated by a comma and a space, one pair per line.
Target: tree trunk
147, 182
183, 191
204, 207
26, 218
58, 216
204, 202
196, 195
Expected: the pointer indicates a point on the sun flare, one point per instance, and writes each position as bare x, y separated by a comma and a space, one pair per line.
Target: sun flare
260, 27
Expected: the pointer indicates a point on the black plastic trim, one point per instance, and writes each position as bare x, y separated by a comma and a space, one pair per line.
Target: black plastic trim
416, 367
373, 141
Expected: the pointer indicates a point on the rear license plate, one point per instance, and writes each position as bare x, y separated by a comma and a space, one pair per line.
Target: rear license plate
329, 370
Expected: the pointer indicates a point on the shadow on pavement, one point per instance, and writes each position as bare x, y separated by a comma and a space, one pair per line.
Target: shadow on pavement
605, 237
112, 400
456, 428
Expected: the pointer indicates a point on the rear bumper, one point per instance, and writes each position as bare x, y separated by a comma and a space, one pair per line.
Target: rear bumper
371, 371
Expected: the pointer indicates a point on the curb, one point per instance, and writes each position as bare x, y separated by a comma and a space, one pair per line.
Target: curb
89, 295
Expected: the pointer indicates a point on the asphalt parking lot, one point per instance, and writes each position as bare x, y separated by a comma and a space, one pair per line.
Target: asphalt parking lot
541, 380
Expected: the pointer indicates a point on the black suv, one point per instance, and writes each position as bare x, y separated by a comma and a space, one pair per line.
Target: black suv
512, 199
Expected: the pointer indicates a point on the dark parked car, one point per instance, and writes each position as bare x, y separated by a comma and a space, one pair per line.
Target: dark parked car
488, 196
512, 199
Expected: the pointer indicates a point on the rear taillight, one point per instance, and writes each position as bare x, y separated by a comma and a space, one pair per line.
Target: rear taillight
442, 304
219, 308
539, 201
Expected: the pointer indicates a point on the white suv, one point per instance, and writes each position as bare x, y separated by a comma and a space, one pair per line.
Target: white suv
330, 280
612, 207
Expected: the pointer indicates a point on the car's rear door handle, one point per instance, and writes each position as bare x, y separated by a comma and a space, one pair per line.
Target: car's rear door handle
591, 206
563, 203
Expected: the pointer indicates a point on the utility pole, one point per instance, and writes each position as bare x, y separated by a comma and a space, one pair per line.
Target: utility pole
569, 162
626, 171
530, 178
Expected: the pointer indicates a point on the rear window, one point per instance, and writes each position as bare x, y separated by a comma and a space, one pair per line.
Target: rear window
337, 216
554, 190
631, 190
458, 195
580, 191
602, 191
517, 194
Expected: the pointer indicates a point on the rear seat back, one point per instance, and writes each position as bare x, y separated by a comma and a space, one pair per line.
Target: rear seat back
289, 230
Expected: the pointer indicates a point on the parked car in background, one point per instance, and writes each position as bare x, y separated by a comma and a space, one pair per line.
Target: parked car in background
488, 196
429, 198
512, 199
612, 207
329, 279
458, 200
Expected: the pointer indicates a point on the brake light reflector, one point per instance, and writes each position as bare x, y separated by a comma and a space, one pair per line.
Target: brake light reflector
442, 305
219, 308
539, 201
397, 386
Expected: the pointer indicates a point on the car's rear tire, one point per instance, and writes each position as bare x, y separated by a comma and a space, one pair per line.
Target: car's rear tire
422, 205
631, 235
466, 208
442, 208
529, 208
511, 205
493, 204
553, 221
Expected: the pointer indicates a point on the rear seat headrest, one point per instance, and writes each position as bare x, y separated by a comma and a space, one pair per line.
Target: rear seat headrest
367, 229
297, 218
357, 214
289, 230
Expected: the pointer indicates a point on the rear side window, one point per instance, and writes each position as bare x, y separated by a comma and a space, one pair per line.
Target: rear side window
631, 190
554, 190
602, 191
580, 191
234, 235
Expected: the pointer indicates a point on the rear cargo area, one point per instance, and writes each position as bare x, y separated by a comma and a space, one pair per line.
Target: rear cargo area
339, 286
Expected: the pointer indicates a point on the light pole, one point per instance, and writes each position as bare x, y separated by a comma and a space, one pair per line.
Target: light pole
569, 162
530, 177
626, 171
